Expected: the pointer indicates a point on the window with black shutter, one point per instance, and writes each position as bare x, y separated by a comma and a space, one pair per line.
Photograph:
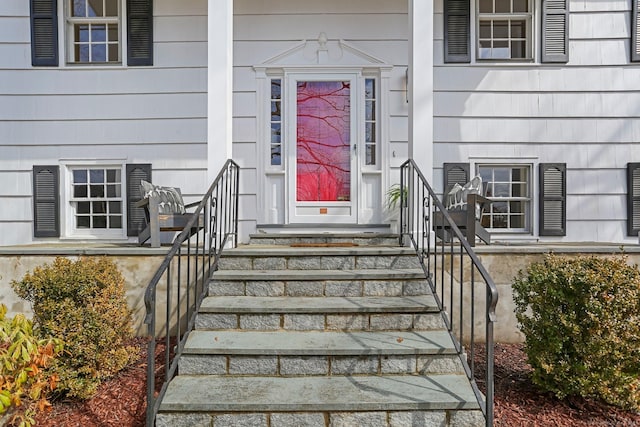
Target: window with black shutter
93, 32
46, 201
553, 199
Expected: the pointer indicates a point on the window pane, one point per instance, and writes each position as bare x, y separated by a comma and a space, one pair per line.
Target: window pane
503, 6
99, 207
486, 6
500, 221
370, 88
276, 158
485, 30
115, 221
275, 133
83, 207
111, 175
370, 109
519, 190
111, 8
500, 29
96, 175
485, 49
99, 53
79, 191
518, 49
113, 191
114, 36
518, 29
516, 207
114, 55
115, 207
520, 6
275, 111
97, 190
83, 222
371, 154
370, 134
82, 53
81, 33
275, 89
95, 8
80, 176
501, 174
79, 8
501, 190
99, 222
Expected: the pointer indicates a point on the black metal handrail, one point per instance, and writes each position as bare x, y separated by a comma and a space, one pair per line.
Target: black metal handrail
185, 271
451, 270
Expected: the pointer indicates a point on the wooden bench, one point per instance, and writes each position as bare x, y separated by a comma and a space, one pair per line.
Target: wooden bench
163, 217
465, 204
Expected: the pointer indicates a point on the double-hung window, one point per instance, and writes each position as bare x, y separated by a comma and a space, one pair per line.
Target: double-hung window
96, 200
509, 188
504, 29
102, 32
93, 31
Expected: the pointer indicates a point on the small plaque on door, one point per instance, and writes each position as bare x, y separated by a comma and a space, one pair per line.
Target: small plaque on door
323, 211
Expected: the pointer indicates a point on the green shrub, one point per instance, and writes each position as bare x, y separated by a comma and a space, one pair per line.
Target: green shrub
24, 380
83, 303
581, 319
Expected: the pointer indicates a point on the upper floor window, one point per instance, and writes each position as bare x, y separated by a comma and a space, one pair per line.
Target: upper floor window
93, 31
504, 29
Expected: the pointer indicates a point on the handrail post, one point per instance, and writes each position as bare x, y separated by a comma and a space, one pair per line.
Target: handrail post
220, 211
413, 187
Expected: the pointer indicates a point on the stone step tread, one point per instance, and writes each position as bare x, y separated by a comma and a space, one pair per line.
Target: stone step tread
284, 275
204, 393
256, 250
320, 305
322, 235
319, 343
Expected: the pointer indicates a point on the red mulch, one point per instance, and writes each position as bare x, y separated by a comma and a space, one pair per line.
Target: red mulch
121, 400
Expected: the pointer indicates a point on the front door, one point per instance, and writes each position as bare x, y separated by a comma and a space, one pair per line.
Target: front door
323, 168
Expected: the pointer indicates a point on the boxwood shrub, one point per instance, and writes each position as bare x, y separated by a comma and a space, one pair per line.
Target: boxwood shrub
82, 303
581, 320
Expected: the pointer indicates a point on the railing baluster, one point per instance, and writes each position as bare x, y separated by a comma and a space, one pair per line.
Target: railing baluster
416, 224
219, 206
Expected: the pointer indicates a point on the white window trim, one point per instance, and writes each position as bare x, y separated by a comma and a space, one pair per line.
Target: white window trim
536, 10
68, 231
531, 217
65, 44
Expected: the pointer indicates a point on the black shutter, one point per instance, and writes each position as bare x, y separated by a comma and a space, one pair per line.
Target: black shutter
633, 199
139, 32
455, 173
555, 31
44, 32
135, 216
457, 42
635, 31
553, 199
46, 201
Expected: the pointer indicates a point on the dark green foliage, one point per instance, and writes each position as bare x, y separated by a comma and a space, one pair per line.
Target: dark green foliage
581, 319
83, 303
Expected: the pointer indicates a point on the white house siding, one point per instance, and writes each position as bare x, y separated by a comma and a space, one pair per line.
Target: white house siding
151, 115
263, 30
585, 113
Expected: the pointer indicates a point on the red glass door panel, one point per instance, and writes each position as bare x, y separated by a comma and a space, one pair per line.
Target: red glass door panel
323, 161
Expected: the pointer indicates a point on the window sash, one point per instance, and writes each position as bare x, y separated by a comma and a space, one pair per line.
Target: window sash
527, 17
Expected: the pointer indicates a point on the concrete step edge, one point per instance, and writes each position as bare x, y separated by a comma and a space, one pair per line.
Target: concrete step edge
364, 274
205, 393
280, 250
319, 305
262, 343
